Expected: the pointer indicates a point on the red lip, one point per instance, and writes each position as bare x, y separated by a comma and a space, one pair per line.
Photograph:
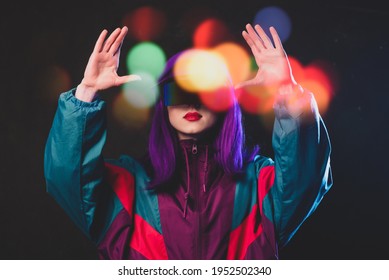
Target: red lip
192, 116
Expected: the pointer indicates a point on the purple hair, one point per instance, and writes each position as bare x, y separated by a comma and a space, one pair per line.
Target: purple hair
229, 141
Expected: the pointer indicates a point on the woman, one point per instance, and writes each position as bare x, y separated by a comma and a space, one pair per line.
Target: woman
201, 195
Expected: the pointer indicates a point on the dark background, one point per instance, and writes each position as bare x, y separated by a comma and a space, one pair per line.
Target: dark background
351, 222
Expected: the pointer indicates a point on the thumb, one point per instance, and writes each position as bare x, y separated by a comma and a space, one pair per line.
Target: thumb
126, 79
244, 84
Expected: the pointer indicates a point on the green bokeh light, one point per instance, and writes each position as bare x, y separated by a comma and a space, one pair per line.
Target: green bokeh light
146, 57
143, 93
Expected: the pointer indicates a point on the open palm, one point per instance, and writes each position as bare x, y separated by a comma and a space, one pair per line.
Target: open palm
101, 70
271, 59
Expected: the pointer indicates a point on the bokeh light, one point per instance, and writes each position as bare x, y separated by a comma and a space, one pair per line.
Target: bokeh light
210, 33
256, 99
237, 60
127, 114
53, 81
215, 62
200, 70
321, 94
277, 17
146, 57
221, 99
315, 72
145, 23
316, 79
143, 93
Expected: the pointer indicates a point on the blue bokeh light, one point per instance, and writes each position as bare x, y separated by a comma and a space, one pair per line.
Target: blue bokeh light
276, 17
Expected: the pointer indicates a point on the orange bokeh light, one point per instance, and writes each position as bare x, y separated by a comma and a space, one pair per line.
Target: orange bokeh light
322, 96
315, 79
237, 60
313, 72
128, 115
256, 99
54, 80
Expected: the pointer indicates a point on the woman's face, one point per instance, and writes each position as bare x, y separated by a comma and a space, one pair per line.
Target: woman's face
191, 121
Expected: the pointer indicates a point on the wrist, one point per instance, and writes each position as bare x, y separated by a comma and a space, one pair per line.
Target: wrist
85, 93
293, 98
289, 87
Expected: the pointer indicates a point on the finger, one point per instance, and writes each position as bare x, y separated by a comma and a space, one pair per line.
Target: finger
276, 38
262, 34
100, 41
108, 43
254, 37
126, 79
117, 44
251, 43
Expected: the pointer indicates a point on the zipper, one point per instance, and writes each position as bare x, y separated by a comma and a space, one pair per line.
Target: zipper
197, 221
194, 149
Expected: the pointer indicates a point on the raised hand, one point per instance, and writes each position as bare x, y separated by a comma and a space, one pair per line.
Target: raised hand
101, 70
272, 61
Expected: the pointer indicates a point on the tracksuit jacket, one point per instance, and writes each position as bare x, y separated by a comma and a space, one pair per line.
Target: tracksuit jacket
207, 214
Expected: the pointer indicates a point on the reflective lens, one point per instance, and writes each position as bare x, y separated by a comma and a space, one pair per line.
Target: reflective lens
174, 95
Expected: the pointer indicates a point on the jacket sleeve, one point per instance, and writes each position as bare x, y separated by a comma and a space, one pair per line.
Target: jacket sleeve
74, 168
302, 165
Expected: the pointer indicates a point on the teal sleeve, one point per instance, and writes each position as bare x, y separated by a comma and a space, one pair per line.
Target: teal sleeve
302, 167
74, 166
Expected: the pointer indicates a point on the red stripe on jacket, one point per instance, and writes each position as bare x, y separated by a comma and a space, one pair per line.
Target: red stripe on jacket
144, 238
147, 241
249, 230
123, 184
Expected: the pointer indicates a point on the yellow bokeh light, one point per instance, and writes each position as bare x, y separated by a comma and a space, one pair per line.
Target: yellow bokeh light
200, 70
